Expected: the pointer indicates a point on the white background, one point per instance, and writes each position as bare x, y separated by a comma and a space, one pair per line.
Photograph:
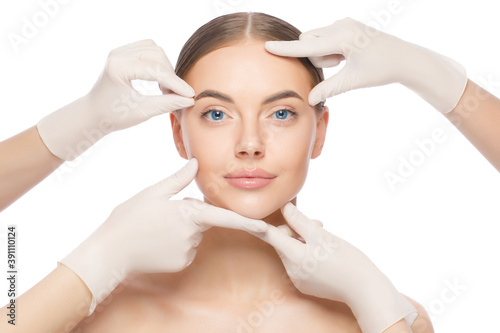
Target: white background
438, 228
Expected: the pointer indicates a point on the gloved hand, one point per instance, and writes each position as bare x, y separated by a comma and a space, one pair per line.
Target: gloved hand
374, 58
150, 233
325, 266
113, 104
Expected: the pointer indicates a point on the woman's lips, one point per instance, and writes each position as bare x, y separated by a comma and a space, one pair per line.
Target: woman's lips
249, 183
249, 179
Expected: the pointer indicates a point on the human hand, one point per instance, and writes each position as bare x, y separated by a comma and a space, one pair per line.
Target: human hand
326, 266
113, 104
374, 58
150, 233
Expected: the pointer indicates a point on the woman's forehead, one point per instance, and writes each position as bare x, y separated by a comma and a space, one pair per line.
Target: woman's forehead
247, 65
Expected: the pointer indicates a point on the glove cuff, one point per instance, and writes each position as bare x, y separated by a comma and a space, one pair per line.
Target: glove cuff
101, 276
377, 318
439, 80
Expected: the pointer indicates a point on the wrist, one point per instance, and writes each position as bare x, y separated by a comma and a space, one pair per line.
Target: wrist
436, 78
98, 265
380, 307
72, 129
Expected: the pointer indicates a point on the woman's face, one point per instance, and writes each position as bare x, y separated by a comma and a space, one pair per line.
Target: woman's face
251, 117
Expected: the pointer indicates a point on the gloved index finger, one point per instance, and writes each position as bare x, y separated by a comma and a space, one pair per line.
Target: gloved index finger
220, 217
179, 180
154, 71
298, 221
176, 84
284, 244
310, 47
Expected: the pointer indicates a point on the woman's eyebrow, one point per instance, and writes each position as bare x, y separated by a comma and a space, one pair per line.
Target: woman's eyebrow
270, 99
214, 94
281, 95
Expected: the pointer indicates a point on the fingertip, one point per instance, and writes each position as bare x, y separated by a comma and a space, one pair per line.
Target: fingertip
275, 47
193, 162
191, 168
314, 97
185, 89
179, 102
269, 44
285, 229
287, 208
174, 83
259, 226
189, 91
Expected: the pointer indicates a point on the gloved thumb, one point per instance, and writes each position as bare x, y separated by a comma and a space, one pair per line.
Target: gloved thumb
335, 85
285, 230
178, 181
308, 47
156, 105
329, 60
298, 221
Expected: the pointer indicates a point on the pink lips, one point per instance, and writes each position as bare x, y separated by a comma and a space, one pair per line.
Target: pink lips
249, 179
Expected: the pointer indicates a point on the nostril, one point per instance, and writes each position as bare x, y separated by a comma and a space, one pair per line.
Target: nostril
250, 150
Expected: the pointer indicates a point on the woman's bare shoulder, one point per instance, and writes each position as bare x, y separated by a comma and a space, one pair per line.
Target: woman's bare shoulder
423, 322
125, 308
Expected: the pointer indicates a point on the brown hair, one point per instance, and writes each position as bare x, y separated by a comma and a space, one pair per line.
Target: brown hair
227, 29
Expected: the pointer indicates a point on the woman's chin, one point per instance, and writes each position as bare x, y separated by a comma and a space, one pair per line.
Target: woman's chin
257, 211
252, 213
255, 214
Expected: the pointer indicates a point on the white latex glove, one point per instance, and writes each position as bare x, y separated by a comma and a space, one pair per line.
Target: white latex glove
150, 233
326, 266
113, 104
374, 58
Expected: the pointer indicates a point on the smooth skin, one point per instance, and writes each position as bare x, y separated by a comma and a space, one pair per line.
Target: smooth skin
477, 116
25, 161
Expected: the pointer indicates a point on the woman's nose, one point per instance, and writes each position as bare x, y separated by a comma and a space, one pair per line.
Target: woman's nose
250, 144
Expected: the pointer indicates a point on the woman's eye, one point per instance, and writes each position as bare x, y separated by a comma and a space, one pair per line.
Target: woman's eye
285, 114
281, 114
214, 115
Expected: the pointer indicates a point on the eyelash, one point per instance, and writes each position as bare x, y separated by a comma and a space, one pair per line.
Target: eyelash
293, 117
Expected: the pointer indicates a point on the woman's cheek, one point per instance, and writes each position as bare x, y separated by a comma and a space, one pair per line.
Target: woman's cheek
212, 152
299, 147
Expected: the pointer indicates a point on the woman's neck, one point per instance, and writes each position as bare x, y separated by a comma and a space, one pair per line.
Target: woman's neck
234, 265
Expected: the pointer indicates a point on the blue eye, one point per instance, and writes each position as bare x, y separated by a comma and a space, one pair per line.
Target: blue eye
282, 114
214, 115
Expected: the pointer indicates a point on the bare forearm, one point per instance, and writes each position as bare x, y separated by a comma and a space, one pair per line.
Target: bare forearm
477, 116
56, 304
25, 161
